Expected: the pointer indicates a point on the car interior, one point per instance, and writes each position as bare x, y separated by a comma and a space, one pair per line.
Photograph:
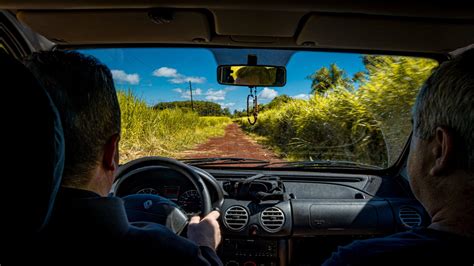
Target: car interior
283, 215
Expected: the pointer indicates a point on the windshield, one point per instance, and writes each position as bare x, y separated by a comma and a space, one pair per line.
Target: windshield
336, 107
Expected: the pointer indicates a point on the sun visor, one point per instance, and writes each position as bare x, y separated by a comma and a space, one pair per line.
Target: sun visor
379, 33
134, 26
256, 23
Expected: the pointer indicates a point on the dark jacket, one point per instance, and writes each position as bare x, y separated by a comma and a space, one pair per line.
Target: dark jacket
87, 227
419, 246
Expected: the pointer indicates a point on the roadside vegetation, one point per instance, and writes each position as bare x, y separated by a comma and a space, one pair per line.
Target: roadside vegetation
203, 108
148, 131
364, 118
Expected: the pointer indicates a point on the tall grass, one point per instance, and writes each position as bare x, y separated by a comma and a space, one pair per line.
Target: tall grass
336, 127
147, 132
369, 125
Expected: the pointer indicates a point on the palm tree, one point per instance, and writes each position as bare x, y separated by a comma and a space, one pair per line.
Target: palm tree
326, 79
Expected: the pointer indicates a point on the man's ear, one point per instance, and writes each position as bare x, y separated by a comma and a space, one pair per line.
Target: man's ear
111, 152
443, 151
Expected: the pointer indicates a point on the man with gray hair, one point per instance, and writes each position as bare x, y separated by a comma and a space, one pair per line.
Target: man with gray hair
441, 168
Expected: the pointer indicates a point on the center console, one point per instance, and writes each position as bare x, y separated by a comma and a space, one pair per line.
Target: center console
256, 221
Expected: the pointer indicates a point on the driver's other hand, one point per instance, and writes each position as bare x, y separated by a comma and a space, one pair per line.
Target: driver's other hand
205, 232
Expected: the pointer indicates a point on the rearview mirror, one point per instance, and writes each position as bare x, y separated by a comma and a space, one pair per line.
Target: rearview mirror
252, 76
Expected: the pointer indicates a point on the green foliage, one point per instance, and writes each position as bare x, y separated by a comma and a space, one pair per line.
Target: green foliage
392, 83
238, 114
226, 112
336, 127
327, 79
203, 108
277, 102
147, 131
369, 124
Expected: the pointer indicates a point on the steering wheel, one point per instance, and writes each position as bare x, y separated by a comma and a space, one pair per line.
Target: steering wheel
144, 208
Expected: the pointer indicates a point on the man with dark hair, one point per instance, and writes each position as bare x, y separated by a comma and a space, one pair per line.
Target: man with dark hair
84, 93
85, 222
441, 167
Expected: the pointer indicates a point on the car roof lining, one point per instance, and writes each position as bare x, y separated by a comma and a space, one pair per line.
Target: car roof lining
388, 33
117, 26
402, 27
407, 8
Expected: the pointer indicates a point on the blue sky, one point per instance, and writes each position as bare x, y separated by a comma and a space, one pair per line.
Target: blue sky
162, 74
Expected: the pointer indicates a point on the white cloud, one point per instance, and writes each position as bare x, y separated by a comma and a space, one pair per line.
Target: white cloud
268, 94
218, 95
227, 105
186, 94
210, 94
182, 79
176, 77
213, 95
301, 96
121, 77
166, 72
231, 88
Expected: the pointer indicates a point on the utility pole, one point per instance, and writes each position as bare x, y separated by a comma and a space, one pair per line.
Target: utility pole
191, 92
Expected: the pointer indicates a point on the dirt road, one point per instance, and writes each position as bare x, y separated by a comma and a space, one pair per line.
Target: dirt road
235, 143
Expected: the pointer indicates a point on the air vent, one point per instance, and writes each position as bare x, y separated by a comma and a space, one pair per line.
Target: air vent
409, 217
236, 218
272, 219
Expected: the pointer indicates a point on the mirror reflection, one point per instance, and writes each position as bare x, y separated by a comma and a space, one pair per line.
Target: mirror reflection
241, 75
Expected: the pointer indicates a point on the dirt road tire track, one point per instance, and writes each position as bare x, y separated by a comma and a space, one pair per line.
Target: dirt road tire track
234, 143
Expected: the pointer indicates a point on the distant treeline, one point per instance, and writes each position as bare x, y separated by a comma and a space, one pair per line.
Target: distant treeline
203, 108
276, 103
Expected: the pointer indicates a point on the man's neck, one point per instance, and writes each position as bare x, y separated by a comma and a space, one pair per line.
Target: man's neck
87, 188
100, 182
456, 213
97, 181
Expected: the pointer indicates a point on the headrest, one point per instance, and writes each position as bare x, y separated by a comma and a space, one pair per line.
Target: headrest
33, 150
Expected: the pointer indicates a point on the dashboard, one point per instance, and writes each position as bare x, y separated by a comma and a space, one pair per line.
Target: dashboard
189, 200
166, 183
286, 217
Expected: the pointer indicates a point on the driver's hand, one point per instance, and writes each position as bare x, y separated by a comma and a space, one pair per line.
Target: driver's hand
205, 232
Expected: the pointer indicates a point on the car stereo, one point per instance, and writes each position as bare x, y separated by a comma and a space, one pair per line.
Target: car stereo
249, 252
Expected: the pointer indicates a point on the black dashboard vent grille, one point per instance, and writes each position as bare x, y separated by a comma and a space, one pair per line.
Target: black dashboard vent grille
272, 219
409, 217
236, 218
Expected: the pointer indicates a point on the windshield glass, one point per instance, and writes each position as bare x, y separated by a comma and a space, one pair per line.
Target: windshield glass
334, 107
